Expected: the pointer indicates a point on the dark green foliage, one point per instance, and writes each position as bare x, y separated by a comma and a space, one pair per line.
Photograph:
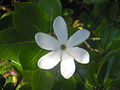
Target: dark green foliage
17, 43
2, 81
9, 86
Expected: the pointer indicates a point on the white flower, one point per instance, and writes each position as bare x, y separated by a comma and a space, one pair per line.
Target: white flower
63, 49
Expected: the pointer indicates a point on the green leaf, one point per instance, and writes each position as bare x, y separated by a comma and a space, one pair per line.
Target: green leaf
114, 11
115, 72
27, 76
65, 84
109, 67
52, 9
115, 84
11, 36
92, 73
108, 35
103, 24
36, 17
11, 42
25, 87
30, 55
115, 43
42, 80
29, 19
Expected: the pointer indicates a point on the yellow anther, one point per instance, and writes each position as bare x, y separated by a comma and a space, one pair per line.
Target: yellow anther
78, 25
76, 22
80, 28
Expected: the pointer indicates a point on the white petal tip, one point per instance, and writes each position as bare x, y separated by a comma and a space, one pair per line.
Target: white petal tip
85, 62
59, 17
87, 32
67, 77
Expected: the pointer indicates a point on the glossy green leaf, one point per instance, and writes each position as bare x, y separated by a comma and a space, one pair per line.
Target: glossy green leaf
36, 17
42, 80
65, 84
103, 24
11, 36
31, 20
92, 73
52, 9
30, 55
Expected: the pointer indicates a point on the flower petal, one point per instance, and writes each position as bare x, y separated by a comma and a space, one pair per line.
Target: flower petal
46, 41
67, 66
78, 37
79, 54
60, 29
50, 60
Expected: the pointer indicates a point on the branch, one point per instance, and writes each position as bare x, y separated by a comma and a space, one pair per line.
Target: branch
95, 38
88, 46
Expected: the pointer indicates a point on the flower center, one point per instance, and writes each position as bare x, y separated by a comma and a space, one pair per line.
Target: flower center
63, 47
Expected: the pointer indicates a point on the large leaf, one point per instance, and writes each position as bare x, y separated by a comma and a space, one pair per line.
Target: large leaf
52, 9
42, 80
108, 35
11, 36
29, 19
65, 84
36, 17
25, 87
92, 73
30, 55
11, 42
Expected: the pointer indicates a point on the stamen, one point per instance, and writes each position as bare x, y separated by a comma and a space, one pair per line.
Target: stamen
63, 47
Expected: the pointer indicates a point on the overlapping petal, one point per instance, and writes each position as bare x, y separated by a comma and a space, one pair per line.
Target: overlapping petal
67, 65
78, 37
79, 54
46, 41
60, 29
50, 60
